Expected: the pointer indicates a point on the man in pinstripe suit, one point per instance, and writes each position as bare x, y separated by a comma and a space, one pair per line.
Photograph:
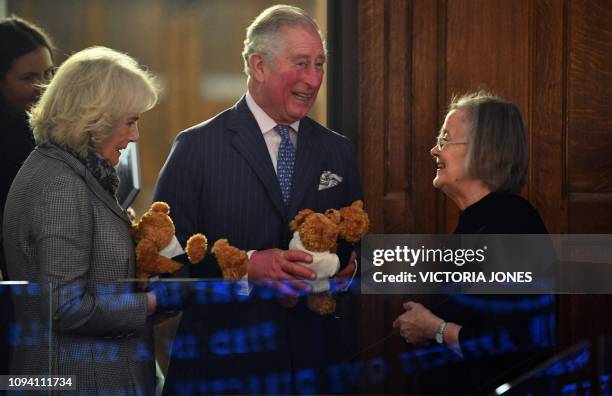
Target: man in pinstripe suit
221, 179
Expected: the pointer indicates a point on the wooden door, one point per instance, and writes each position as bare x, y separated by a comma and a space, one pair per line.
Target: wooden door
551, 57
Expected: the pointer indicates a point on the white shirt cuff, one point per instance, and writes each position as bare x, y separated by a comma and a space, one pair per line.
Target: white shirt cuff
245, 286
173, 249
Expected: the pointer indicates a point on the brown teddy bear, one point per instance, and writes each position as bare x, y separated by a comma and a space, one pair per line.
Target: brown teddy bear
232, 261
154, 232
354, 222
317, 234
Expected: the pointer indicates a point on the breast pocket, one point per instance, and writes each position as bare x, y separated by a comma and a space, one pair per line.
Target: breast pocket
330, 198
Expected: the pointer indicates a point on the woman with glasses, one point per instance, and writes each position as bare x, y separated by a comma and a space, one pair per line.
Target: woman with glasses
482, 160
26, 61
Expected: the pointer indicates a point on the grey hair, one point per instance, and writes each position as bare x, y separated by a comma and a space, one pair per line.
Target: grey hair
90, 93
498, 149
261, 35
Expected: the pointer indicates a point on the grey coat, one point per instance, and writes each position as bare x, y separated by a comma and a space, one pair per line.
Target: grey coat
68, 235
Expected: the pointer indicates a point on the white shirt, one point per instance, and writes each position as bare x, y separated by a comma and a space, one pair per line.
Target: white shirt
266, 126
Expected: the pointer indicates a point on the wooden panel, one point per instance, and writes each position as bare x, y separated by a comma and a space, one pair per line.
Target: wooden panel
487, 47
589, 116
583, 120
398, 90
428, 80
399, 171
399, 136
590, 96
590, 217
392, 144
547, 129
95, 25
371, 106
397, 87
371, 47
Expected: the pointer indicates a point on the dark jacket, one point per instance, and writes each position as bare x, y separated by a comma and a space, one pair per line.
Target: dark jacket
219, 180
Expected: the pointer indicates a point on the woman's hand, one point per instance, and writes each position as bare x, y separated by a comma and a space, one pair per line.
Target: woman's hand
151, 303
417, 324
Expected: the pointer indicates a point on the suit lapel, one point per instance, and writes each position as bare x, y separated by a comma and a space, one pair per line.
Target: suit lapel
306, 165
249, 142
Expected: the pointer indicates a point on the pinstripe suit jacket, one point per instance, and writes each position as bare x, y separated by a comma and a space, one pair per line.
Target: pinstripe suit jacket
219, 179
69, 236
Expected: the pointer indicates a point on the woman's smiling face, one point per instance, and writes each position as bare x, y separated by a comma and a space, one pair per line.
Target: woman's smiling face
450, 154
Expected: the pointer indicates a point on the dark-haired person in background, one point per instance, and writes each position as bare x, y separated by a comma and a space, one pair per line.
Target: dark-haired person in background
482, 162
26, 60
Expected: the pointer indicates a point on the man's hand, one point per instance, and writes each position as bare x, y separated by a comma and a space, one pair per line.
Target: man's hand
281, 268
343, 278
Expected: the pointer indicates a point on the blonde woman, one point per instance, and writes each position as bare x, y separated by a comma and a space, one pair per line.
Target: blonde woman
64, 229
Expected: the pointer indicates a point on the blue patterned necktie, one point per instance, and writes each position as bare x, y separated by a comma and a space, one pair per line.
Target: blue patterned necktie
285, 161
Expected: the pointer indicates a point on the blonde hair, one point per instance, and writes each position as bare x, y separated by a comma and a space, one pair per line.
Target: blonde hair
91, 92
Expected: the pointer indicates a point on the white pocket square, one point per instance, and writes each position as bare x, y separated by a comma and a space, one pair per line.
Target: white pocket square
329, 180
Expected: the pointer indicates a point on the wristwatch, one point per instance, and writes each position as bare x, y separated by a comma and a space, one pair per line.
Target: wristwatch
440, 332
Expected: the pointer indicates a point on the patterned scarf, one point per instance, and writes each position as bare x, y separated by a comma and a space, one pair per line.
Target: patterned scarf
98, 166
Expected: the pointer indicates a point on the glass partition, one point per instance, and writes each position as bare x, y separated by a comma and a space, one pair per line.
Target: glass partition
217, 337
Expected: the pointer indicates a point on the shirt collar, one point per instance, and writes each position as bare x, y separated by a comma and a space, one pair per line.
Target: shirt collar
265, 123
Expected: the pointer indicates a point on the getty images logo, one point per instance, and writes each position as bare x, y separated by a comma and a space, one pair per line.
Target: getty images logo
411, 256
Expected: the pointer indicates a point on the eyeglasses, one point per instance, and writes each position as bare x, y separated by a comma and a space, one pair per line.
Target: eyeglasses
442, 141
